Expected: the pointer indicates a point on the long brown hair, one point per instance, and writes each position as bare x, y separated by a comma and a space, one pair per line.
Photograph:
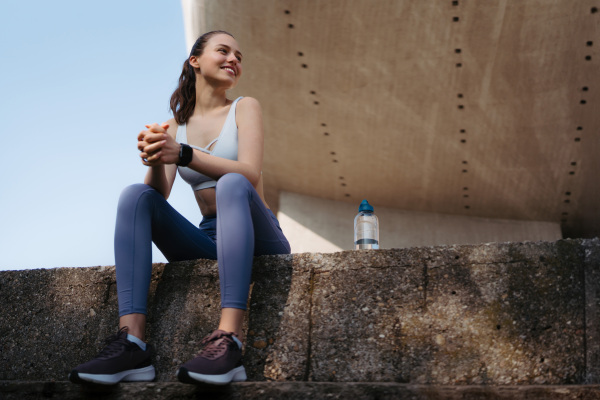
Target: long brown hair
183, 99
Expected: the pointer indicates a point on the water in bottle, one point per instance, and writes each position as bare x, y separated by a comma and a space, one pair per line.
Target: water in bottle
366, 228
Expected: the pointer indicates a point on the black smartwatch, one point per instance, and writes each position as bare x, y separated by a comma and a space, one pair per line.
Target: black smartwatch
185, 155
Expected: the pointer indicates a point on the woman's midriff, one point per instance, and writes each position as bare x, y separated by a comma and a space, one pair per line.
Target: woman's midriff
207, 199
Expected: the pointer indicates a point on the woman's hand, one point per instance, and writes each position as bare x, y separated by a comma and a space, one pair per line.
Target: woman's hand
157, 147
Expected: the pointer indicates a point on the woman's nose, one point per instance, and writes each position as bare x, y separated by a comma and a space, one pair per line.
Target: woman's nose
232, 58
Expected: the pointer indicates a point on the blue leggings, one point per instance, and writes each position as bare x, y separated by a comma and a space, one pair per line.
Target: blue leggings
242, 228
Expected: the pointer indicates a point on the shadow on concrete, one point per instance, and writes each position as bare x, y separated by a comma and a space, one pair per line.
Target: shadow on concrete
184, 306
269, 305
521, 320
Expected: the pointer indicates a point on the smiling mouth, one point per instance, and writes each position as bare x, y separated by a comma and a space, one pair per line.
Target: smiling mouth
230, 70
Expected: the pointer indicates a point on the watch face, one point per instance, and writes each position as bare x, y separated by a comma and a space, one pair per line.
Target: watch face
185, 155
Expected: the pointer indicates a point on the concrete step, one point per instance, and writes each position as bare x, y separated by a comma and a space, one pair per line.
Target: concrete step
12, 390
490, 314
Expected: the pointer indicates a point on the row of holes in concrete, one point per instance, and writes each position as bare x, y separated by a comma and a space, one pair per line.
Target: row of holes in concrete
577, 139
460, 106
567, 199
316, 102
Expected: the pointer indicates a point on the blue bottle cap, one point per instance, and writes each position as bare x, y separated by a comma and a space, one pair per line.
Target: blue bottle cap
365, 206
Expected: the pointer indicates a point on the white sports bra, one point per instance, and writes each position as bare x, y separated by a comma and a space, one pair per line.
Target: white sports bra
226, 147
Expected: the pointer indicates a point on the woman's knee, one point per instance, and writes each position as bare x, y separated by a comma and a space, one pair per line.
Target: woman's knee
132, 193
233, 184
135, 190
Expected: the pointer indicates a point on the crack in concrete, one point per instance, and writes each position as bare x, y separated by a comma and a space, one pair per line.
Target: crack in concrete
311, 290
585, 323
107, 292
425, 286
457, 264
363, 268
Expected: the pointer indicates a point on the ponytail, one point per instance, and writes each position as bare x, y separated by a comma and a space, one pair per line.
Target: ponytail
183, 99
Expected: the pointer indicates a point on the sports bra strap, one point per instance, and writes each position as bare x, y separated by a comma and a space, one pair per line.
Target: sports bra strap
211, 143
202, 149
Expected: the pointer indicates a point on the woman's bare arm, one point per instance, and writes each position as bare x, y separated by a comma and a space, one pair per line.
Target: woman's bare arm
162, 149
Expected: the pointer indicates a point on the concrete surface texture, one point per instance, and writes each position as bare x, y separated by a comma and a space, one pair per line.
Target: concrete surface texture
494, 314
301, 217
294, 391
476, 108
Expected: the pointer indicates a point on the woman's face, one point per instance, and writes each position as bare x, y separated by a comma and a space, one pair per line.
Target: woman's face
220, 61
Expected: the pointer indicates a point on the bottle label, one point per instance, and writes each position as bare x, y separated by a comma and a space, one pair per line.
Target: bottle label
366, 244
366, 241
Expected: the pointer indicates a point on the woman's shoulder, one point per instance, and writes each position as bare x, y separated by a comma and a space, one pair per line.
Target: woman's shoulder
248, 104
249, 114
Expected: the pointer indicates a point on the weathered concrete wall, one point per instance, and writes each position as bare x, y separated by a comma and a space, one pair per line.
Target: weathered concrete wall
512, 313
318, 225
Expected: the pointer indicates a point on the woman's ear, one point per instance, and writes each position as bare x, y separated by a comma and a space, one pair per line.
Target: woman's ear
194, 62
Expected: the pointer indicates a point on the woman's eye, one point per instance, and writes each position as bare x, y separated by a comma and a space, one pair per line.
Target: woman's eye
239, 58
223, 51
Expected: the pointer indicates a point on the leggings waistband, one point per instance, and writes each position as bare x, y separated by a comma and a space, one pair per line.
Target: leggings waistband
209, 225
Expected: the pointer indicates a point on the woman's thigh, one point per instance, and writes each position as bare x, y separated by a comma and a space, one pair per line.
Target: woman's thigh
176, 237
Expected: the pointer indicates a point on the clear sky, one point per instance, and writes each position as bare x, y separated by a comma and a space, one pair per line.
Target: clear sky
78, 81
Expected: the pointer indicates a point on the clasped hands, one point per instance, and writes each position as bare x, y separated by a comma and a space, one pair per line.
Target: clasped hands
157, 147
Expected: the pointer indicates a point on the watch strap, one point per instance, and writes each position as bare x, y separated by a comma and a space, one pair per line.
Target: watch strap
185, 155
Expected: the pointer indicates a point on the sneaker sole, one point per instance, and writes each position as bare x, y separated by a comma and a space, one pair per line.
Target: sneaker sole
132, 375
235, 375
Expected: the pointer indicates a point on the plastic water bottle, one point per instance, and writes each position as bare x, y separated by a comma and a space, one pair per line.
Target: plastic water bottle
366, 228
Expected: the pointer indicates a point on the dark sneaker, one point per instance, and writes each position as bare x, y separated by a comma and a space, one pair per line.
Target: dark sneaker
218, 363
120, 360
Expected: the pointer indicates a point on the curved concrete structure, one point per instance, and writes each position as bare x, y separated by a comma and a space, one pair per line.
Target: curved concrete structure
480, 109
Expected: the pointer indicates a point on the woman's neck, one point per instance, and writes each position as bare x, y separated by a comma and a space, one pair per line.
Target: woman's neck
209, 98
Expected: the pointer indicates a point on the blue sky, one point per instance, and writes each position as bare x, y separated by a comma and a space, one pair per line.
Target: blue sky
78, 81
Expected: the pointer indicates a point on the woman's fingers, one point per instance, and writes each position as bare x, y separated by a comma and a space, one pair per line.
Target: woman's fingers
154, 157
151, 142
156, 128
155, 137
150, 159
152, 153
150, 138
154, 147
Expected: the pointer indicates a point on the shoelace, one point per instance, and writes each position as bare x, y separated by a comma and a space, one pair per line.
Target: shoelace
215, 344
113, 344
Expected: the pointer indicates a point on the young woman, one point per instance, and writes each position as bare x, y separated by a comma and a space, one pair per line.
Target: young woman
216, 144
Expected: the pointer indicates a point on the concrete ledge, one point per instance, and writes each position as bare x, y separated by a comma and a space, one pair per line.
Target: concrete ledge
10, 390
500, 314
